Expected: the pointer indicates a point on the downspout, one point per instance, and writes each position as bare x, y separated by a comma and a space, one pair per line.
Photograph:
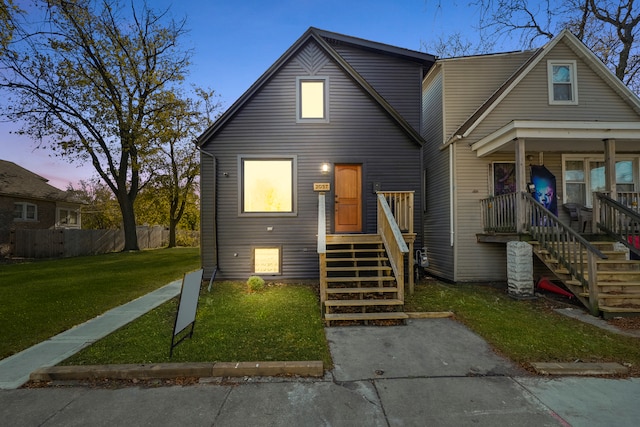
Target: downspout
451, 189
215, 216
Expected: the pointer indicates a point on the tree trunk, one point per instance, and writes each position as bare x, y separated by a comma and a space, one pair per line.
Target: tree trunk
172, 232
129, 225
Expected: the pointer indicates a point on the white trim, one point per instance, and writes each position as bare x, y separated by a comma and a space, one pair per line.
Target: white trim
555, 130
592, 157
23, 216
590, 59
573, 82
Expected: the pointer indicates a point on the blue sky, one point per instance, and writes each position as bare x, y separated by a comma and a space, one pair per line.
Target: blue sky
234, 42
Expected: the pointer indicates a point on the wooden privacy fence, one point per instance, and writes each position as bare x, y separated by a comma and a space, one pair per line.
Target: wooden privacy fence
63, 243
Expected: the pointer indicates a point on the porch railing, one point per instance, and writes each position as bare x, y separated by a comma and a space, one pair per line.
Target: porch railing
619, 220
499, 213
566, 246
630, 199
393, 242
401, 205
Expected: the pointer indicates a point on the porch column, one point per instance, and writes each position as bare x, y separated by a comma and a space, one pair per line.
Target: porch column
609, 180
610, 168
521, 183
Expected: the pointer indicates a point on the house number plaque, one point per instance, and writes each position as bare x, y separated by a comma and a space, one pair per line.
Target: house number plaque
321, 186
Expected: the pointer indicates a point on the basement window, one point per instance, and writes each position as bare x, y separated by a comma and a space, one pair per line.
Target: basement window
267, 260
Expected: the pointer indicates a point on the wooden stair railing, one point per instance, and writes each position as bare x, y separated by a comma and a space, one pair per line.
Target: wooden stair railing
597, 273
571, 251
618, 221
362, 276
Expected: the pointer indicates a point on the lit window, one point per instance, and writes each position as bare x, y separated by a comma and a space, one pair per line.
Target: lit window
562, 82
267, 186
266, 260
312, 100
25, 212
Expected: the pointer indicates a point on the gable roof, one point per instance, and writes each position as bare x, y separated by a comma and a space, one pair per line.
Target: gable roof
322, 38
590, 59
17, 181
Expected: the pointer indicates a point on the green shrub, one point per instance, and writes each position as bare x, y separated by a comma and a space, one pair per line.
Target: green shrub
255, 283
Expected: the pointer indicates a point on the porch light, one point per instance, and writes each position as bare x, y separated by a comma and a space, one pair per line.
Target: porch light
324, 168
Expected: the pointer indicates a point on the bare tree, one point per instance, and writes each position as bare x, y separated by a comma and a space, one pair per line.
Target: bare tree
91, 81
608, 27
457, 44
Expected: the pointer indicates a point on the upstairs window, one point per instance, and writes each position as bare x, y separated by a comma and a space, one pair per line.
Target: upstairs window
25, 212
312, 99
563, 84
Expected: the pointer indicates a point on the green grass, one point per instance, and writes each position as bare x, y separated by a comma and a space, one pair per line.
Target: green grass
279, 323
41, 299
525, 331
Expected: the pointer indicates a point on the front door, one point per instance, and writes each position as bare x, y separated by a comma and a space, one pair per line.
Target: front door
348, 198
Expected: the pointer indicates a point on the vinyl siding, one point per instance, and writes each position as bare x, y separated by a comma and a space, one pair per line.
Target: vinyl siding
359, 131
469, 82
396, 80
436, 163
529, 99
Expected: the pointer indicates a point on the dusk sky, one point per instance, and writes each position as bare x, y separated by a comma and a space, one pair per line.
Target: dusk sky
234, 42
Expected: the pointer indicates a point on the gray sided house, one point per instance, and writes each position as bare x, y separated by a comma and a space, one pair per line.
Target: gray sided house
334, 115
348, 154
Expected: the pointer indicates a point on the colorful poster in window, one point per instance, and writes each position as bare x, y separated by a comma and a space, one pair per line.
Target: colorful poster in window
504, 178
545, 188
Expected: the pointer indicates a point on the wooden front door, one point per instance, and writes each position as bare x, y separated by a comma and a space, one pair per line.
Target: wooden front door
348, 198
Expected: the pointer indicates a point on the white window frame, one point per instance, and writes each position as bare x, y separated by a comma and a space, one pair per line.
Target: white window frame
25, 208
63, 220
573, 72
294, 185
299, 82
587, 159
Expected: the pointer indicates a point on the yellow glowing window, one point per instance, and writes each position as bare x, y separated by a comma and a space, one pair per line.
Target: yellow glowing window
267, 185
312, 102
312, 99
266, 260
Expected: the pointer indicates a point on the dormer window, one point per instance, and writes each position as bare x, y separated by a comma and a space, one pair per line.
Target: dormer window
563, 83
313, 99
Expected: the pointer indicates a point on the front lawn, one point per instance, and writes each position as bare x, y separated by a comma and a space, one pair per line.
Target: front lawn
43, 298
279, 323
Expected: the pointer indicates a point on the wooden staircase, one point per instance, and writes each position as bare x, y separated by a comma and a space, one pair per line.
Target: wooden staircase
357, 283
617, 285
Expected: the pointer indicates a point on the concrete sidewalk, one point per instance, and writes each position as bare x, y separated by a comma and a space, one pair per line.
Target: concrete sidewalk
429, 372
15, 370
